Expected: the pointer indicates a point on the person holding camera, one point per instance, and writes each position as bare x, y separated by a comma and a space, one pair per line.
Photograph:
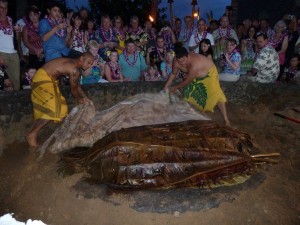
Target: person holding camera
231, 62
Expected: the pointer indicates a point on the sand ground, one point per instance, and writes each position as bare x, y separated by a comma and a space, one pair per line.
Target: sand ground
34, 189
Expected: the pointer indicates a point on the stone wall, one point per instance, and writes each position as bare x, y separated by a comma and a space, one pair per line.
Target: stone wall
17, 104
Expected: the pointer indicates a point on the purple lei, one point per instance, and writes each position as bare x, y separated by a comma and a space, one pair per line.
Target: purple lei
197, 39
61, 32
7, 30
105, 36
127, 59
188, 33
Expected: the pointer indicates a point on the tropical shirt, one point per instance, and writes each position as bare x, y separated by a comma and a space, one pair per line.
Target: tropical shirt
235, 57
267, 65
138, 36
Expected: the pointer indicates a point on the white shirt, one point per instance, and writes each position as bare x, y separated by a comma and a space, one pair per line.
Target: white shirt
193, 40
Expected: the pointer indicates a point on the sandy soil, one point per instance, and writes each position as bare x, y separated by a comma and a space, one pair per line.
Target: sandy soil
33, 188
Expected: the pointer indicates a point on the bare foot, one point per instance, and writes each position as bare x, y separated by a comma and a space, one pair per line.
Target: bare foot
31, 140
227, 123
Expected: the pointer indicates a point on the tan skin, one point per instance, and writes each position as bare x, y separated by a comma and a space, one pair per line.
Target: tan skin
195, 66
55, 69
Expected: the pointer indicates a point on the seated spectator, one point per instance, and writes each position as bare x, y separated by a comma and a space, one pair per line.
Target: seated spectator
151, 32
293, 35
32, 39
213, 25
29, 73
248, 50
199, 35
206, 48
90, 29
77, 39
151, 74
5, 83
166, 66
94, 74
156, 55
121, 33
221, 35
264, 28
247, 24
112, 70
138, 35
168, 35
280, 42
292, 71
52, 30
231, 62
131, 61
106, 37
177, 27
187, 31
266, 65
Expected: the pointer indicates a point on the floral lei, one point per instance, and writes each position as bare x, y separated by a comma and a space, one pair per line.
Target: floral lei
229, 56
104, 34
127, 59
197, 39
227, 35
115, 69
275, 43
138, 32
167, 37
31, 28
120, 33
188, 33
61, 32
7, 30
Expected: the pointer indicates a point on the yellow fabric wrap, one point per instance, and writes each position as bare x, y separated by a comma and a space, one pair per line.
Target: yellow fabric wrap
47, 101
205, 93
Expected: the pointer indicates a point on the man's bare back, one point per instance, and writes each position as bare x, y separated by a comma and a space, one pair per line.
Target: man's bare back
60, 67
196, 65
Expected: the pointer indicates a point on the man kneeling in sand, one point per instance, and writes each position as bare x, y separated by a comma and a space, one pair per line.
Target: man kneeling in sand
48, 103
202, 86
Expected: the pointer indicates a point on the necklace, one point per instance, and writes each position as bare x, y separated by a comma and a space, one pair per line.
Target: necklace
7, 30
138, 32
61, 32
115, 69
109, 37
274, 43
120, 33
127, 58
227, 35
197, 39
167, 37
187, 33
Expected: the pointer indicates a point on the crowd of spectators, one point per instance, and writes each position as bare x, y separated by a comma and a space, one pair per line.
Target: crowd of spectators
132, 52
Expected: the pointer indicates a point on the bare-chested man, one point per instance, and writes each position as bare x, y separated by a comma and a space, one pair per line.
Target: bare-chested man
201, 86
48, 103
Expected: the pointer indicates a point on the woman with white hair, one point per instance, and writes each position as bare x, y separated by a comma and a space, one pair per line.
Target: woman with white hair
279, 41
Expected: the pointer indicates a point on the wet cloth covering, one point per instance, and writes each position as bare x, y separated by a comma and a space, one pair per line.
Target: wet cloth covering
84, 126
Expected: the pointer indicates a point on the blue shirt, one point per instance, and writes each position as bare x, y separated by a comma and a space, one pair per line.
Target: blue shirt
55, 46
132, 72
235, 57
